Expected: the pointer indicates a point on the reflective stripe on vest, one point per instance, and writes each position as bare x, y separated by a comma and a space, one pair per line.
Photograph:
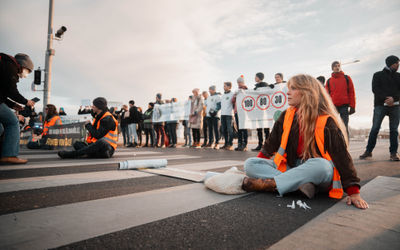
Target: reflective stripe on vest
280, 157
111, 137
51, 123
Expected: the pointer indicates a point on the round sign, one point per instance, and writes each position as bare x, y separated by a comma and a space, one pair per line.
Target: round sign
278, 99
263, 101
248, 103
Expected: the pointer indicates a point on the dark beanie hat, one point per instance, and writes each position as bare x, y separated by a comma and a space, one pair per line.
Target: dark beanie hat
24, 60
390, 60
260, 76
100, 103
159, 95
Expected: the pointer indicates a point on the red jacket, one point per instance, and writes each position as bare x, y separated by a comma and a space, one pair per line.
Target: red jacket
340, 93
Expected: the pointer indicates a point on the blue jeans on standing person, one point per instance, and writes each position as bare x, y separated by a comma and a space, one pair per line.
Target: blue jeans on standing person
344, 114
379, 113
132, 132
8, 119
125, 134
315, 170
213, 130
226, 124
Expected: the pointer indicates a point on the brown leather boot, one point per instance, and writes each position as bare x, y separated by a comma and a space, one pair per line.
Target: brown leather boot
12, 160
258, 185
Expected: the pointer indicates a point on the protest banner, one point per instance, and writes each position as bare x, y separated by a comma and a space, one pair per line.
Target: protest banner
171, 111
66, 135
262, 107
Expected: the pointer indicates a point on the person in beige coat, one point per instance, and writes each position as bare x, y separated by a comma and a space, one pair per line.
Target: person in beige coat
195, 117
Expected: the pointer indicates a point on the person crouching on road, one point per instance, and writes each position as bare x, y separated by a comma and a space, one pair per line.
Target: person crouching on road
52, 119
307, 149
103, 135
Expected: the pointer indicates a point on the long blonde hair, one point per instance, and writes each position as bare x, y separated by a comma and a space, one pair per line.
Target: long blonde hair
315, 101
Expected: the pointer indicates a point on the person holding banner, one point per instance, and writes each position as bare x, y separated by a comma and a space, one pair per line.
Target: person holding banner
52, 119
307, 149
260, 84
103, 135
159, 126
212, 111
148, 125
279, 78
195, 117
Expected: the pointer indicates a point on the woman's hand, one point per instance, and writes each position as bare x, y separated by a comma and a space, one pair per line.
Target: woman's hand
357, 201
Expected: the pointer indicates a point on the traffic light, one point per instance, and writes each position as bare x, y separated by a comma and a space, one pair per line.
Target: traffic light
38, 77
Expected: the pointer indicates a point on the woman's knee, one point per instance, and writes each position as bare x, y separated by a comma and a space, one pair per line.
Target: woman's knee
321, 167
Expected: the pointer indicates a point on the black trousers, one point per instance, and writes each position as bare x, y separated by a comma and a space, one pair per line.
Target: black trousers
242, 133
260, 135
149, 133
172, 133
159, 128
205, 129
196, 135
99, 149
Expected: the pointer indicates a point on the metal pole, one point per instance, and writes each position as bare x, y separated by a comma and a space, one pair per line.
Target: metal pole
49, 58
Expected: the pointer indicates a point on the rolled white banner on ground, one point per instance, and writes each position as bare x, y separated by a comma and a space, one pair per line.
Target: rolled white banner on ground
136, 164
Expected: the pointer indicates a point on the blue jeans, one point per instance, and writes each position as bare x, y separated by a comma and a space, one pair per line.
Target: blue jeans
344, 114
226, 123
379, 113
315, 170
213, 129
133, 137
10, 123
125, 134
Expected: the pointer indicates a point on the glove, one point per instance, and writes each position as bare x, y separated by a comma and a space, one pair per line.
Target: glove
261, 155
271, 86
352, 111
213, 113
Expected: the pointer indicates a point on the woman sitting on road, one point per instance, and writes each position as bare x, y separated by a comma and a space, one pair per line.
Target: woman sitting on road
307, 149
52, 118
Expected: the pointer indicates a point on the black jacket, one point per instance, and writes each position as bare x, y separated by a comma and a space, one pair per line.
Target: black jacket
106, 124
385, 83
9, 78
124, 118
263, 85
134, 116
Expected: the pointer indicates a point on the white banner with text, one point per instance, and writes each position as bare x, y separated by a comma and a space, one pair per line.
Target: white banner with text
171, 111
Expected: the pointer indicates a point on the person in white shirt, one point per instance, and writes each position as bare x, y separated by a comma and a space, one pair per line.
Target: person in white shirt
205, 119
226, 116
212, 111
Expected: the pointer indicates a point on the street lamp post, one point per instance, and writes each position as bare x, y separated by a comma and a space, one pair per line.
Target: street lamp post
49, 57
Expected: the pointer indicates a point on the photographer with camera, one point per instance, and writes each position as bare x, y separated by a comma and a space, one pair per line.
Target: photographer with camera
11, 69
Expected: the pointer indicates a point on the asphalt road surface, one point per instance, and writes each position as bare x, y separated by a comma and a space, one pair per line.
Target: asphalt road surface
90, 204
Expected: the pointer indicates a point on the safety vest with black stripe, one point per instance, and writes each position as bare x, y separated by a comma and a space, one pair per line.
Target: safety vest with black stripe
111, 137
51, 123
280, 159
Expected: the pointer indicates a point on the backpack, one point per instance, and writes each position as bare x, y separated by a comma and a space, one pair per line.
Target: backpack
347, 81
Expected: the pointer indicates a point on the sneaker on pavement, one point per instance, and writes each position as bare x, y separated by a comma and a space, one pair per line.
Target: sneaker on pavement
229, 148
394, 157
365, 155
12, 160
258, 148
216, 146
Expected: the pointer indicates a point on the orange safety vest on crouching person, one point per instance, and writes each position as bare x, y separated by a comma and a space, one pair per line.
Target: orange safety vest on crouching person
51, 123
111, 137
280, 160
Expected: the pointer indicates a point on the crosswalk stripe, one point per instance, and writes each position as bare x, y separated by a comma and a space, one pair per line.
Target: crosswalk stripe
11, 185
83, 162
118, 153
43, 228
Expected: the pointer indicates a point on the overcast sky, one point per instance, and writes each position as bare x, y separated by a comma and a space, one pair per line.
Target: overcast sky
126, 50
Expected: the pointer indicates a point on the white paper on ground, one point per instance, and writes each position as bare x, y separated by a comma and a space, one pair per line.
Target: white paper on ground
230, 182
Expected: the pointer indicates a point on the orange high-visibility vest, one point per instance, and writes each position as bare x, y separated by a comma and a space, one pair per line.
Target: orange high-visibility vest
111, 137
51, 123
280, 160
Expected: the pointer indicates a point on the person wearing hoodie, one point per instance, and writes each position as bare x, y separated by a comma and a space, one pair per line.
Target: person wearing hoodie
260, 84
386, 88
242, 133
11, 70
148, 125
341, 89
